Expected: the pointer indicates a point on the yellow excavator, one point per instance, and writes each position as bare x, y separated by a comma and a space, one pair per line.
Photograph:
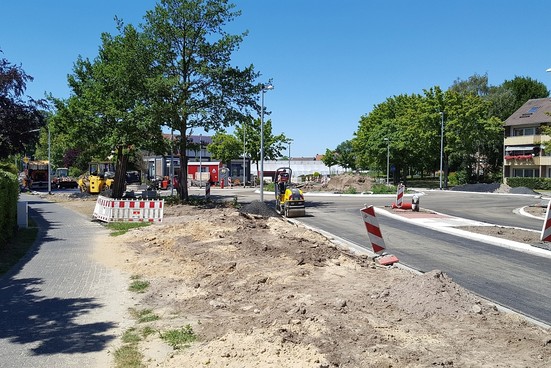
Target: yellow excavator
100, 178
289, 200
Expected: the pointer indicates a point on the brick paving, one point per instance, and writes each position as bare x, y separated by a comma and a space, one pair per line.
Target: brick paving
59, 307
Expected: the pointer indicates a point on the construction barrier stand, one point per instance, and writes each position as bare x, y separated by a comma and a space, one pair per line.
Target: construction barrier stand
373, 230
400, 195
546, 230
128, 210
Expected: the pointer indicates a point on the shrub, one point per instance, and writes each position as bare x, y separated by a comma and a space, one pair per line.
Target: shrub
9, 193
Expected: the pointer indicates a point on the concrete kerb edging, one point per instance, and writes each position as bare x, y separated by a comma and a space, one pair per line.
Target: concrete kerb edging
500, 242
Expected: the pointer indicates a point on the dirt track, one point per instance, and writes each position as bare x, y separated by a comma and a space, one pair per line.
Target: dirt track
260, 292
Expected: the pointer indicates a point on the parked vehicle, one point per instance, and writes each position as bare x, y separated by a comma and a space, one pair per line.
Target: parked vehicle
62, 180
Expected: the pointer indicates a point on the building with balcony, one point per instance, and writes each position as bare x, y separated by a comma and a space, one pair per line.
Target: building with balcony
527, 152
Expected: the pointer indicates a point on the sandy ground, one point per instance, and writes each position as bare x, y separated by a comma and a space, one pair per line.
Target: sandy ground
262, 292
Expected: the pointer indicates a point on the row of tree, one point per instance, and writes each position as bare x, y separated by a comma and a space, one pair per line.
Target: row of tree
174, 72
408, 128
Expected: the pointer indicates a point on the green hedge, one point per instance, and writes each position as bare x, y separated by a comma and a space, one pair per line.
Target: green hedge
532, 183
9, 193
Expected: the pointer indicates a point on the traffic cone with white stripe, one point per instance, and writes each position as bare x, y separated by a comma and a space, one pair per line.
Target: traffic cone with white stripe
376, 237
546, 230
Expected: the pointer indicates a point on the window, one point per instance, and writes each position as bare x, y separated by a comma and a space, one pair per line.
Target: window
526, 173
517, 132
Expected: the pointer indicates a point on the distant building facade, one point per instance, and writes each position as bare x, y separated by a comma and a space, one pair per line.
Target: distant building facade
525, 147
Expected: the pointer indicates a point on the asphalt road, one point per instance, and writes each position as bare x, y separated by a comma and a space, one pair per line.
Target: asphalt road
517, 280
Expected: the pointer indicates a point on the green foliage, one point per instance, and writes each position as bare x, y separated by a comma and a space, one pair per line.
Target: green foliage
196, 85
383, 189
179, 338
9, 193
143, 315
273, 144
18, 118
344, 155
350, 190
138, 285
131, 336
329, 158
120, 228
532, 183
225, 147
453, 179
128, 356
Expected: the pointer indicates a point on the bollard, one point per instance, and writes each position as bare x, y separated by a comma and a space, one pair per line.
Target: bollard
22, 214
415, 203
207, 190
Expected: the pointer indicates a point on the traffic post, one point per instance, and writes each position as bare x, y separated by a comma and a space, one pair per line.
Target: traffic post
207, 190
376, 237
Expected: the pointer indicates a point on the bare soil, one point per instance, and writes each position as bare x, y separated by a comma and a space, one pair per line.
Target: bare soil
262, 292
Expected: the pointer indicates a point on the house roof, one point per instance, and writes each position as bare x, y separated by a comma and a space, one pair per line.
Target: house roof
534, 111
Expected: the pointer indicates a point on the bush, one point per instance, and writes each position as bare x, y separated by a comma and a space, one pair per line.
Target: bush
9, 193
532, 183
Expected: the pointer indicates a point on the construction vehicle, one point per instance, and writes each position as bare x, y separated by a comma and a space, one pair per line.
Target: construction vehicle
289, 199
99, 179
63, 180
37, 174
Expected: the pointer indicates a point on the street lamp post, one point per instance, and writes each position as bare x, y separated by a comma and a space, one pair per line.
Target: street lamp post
441, 146
289, 142
265, 87
387, 140
200, 161
49, 164
244, 155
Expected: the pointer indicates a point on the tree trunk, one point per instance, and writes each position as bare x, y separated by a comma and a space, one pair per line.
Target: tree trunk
182, 177
119, 184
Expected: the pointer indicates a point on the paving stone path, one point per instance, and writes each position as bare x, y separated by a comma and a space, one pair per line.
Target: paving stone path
59, 307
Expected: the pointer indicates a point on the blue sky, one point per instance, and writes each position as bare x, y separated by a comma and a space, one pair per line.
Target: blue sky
330, 61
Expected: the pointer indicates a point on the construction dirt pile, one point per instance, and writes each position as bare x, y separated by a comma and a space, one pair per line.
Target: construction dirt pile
259, 291
351, 183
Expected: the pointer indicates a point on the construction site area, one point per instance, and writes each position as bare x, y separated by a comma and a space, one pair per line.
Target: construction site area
259, 291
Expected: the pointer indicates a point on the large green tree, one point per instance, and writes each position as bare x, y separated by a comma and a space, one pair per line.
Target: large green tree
225, 147
273, 144
20, 117
197, 87
108, 112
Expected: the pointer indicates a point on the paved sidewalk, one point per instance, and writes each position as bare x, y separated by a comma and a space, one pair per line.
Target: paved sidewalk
59, 307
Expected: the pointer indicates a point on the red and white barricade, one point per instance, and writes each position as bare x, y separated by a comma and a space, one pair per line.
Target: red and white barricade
376, 237
546, 230
400, 199
128, 210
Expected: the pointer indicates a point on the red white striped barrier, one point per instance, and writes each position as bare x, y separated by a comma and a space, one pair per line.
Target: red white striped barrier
128, 210
546, 230
400, 195
207, 190
373, 230
376, 237
400, 204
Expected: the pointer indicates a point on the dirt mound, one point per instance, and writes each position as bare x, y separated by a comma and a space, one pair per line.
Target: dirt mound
261, 292
259, 208
354, 183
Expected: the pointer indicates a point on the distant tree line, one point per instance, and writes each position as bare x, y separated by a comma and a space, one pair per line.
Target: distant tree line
409, 126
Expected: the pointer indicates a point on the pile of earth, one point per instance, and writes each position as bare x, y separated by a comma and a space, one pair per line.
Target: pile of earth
259, 291
350, 182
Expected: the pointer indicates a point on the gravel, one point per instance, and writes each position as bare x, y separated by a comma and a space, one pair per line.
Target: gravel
259, 208
493, 188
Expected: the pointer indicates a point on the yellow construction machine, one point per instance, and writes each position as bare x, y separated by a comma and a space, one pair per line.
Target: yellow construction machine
100, 178
289, 199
